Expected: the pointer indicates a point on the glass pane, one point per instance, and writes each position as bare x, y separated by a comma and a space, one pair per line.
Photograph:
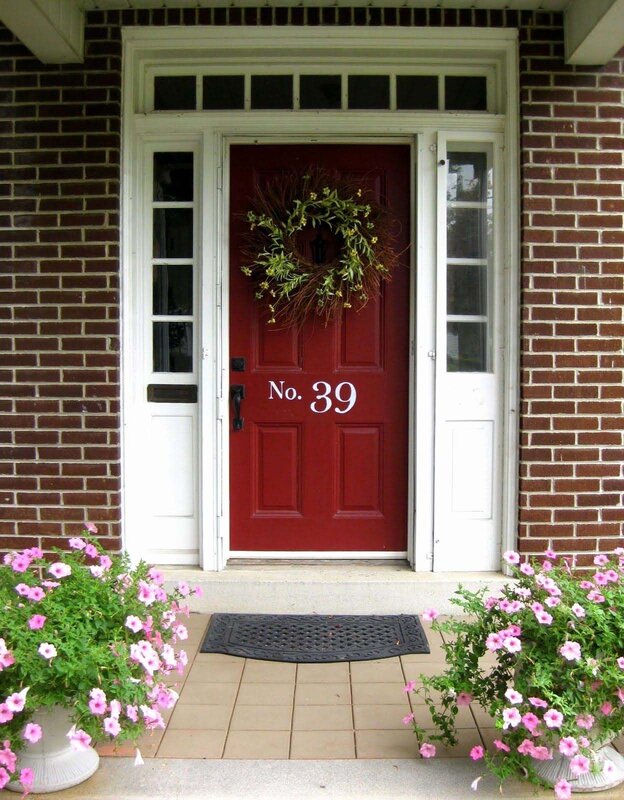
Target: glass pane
465, 93
173, 176
271, 91
173, 289
173, 346
173, 233
417, 92
466, 233
467, 177
466, 290
320, 91
466, 346
369, 91
174, 93
224, 92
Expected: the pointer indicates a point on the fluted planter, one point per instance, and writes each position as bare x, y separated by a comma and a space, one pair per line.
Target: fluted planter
55, 764
611, 771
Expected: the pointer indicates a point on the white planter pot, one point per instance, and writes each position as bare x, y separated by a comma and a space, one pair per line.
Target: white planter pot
55, 764
610, 774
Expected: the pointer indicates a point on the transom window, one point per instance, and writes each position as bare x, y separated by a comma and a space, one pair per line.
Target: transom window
416, 90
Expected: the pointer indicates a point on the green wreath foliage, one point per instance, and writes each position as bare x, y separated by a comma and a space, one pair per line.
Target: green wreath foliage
290, 282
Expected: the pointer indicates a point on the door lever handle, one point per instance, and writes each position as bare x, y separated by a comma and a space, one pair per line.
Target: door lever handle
237, 393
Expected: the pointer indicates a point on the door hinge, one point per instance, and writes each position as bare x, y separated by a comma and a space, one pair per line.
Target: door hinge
432, 355
429, 556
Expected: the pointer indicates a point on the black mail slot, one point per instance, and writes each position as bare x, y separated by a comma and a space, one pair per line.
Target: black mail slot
171, 393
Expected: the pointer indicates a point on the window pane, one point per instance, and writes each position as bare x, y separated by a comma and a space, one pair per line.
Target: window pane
465, 93
467, 177
466, 233
224, 92
173, 289
466, 346
173, 176
320, 91
173, 233
271, 91
173, 346
369, 91
417, 92
466, 290
174, 93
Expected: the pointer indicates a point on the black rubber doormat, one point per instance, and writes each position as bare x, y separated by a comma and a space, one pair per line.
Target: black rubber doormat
314, 638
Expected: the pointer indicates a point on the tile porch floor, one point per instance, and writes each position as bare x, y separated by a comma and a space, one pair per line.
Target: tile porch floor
237, 708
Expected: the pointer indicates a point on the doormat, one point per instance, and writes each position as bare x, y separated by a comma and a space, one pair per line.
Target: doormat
314, 638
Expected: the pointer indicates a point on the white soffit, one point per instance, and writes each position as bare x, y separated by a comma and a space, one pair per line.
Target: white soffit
53, 30
594, 32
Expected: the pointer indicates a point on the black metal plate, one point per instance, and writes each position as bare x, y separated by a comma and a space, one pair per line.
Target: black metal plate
171, 393
314, 639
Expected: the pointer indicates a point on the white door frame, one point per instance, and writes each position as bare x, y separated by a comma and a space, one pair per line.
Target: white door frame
214, 132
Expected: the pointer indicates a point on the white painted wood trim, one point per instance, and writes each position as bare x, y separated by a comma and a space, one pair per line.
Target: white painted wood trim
334, 555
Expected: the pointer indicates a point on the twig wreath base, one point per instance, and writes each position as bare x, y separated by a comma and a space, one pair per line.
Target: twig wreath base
288, 280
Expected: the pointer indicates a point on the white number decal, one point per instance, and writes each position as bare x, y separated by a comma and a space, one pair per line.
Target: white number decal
349, 399
323, 396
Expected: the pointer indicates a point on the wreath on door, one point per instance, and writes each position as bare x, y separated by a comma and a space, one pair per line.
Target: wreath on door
296, 275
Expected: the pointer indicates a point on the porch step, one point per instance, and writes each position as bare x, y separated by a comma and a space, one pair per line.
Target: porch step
328, 588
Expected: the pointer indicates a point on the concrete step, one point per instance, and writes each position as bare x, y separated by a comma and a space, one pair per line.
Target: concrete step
328, 588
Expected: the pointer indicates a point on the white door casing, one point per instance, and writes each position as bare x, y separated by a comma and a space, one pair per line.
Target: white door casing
201, 493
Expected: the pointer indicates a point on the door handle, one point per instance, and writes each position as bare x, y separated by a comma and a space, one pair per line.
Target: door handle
237, 393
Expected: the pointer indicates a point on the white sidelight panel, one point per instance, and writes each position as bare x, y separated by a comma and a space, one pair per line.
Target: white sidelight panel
469, 356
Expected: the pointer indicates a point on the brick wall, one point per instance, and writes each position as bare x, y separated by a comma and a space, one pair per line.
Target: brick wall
59, 206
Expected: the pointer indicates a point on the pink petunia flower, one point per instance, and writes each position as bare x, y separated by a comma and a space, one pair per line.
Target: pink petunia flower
427, 750
578, 610
501, 746
511, 557
36, 622
585, 721
59, 570
78, 739
511, 718
563, 790
47, 650
409, 686
112, 726
513, 696
553, 718
530, 721
27, 778
132, 712
537, 702
568, 746
541, 753
20, 562
36, 594
550, 554
600, 560
464, 699
91, 550
17, 701
571, 651
408, 719
429, 614
133, 623
76, 543
156, 575
620, 662
23, 589
91, 527
595, 596
579, 765
544, 618
32, 732
526, 569
607, 708
512, 644
477, 753
4, 777
494, 642
6, 715
106, 562
600, 579
526, 747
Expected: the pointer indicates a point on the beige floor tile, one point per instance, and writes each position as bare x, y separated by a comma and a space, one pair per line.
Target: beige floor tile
191, 744
386, 744
323, 673
382, 717
201, 718
436, 656
261, 718
248, 744
322, 694
268, 672
414, 669
217, 658
253, 694
323, 718
322, 744
381, 671
367, 694
215, 694
482, 717
215, 673
464, 718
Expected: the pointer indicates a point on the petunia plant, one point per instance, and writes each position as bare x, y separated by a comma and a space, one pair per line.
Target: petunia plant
88, 632
544, 658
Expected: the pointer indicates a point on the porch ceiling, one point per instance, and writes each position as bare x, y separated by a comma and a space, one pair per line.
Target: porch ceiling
53, 29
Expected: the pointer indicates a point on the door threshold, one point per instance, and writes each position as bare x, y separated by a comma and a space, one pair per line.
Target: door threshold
272, 563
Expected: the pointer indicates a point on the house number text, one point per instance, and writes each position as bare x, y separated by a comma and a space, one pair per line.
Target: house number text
342, 397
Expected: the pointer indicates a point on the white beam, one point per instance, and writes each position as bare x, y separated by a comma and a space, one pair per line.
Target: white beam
53, 30
594, 31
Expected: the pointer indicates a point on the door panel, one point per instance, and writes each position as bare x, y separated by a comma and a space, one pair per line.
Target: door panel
321, 461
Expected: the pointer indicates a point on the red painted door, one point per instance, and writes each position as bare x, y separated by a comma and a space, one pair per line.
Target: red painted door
321, 462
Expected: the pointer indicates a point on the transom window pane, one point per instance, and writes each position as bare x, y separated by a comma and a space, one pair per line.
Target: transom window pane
465, 93
417, 92
223, 92
175, 93
173, 289
320, 91
271, 91
369, 91
173, 176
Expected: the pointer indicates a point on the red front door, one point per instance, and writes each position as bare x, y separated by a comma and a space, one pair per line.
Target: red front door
321, 461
